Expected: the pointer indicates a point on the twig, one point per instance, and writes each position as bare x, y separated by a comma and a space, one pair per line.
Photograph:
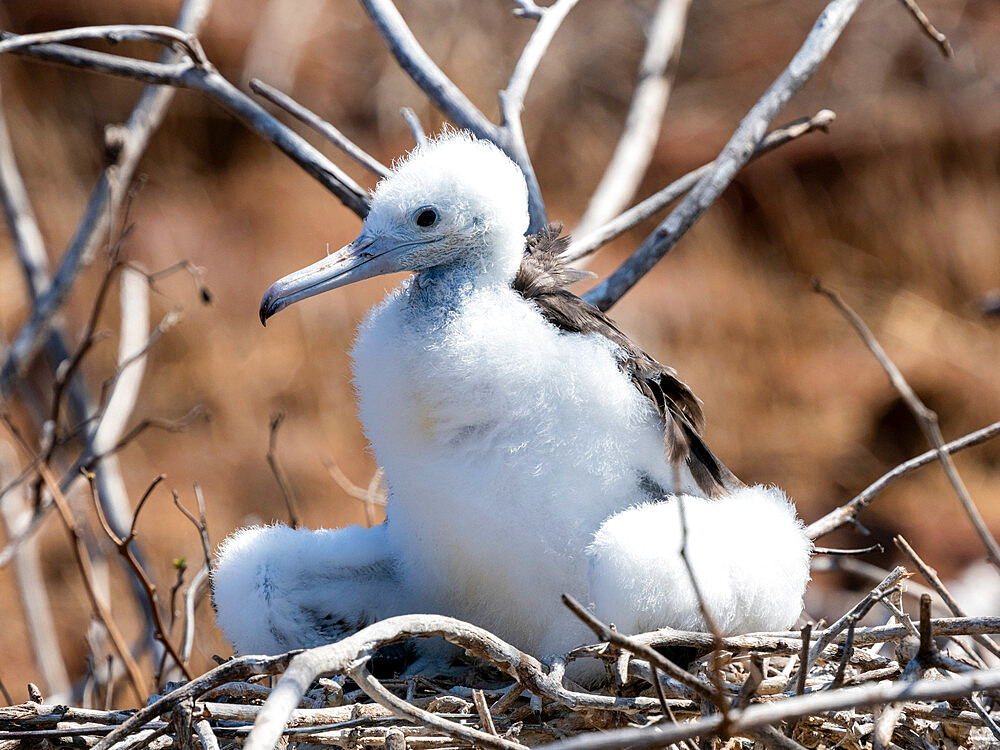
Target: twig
115, 33
205, 735
405, 710
800, 685
123, 544
638, 138
483, 709
200, 523
846, 513
734, 155
527, 9
272, 460
655, 658
107, 197
413, 123
928, 28
716, 673
86, 569
321, 126
930, 575
769, 714
197, 587
838, 678
27, 238
926, 418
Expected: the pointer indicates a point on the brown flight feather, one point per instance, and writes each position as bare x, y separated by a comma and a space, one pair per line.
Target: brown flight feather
543, 278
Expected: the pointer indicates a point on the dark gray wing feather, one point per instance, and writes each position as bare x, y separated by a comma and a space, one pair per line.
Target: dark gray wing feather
542, 278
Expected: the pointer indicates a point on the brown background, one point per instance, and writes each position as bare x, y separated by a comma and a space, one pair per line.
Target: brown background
898, 207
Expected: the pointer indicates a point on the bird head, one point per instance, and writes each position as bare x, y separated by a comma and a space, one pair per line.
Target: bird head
453, 201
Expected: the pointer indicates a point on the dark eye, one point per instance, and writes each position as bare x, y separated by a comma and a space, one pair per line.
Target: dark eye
426, 217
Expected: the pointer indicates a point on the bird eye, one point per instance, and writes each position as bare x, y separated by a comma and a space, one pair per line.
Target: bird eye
427, 217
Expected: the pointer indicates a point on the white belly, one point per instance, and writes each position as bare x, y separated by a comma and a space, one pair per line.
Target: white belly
505, 445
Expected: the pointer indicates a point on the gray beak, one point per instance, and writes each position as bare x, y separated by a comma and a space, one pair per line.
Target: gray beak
362, 259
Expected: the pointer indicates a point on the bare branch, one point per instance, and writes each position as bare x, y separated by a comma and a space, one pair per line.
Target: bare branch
926, 418
167, 35
107, 197
320, 125
638, 139
272, 460
586, 244
417, 64
930, 575
734, 156
27, 238
413, 123
848, 512
33, 591
549, 21
928, 28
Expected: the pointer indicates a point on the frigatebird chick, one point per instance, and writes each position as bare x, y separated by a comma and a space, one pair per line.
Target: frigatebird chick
529, 447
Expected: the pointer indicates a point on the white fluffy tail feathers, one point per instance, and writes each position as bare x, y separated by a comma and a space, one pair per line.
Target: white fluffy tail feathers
748, 551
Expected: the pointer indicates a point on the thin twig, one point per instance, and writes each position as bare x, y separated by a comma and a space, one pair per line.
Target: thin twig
928, 28
926, 418
800, 684
321, 126
930, 575
846, 513
641, 131
161, 632
272, 460
734, 156
413, 123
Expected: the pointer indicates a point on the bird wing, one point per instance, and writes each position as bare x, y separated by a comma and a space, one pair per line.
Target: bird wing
542, 279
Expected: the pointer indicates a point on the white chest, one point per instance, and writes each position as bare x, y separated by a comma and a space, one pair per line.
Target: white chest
505, 444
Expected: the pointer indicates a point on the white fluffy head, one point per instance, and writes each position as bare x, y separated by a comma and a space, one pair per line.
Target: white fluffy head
454, 198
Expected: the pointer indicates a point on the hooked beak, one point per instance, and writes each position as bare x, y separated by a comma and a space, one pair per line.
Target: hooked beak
362, 259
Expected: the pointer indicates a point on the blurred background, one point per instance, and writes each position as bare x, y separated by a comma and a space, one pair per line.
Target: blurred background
898, 208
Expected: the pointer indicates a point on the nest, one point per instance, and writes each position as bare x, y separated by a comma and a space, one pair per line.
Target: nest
903, 684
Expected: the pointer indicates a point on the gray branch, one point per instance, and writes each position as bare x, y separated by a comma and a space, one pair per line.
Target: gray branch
734, 156
321, 126
635, 146
584, 244
846, 513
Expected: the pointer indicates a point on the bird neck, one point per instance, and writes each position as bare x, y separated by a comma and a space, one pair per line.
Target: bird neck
446, 285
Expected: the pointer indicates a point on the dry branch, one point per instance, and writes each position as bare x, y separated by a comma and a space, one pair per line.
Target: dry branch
925, 417
106, 199
734, 156
634, 149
